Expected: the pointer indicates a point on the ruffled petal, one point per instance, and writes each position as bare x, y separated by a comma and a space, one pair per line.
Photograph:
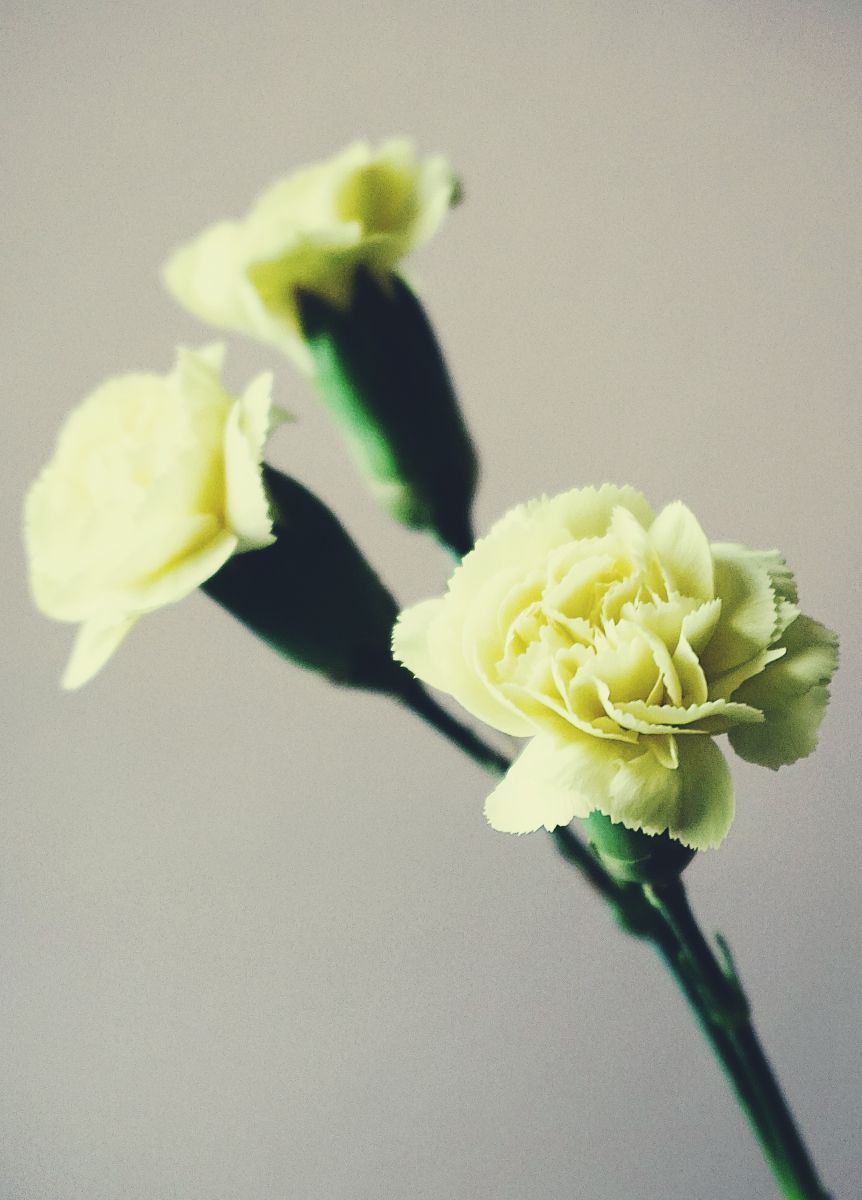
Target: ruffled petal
537, 791
750, 606
552, 782
792, 691
810, 658
693, 803
587, 512
427, 642
668, 718
411, 642
683, 551
789, 733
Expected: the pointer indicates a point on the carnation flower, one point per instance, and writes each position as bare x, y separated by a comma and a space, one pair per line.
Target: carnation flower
311, 231
154, 485
623, 643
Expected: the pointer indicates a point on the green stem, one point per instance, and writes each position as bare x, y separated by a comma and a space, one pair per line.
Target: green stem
661, 914
718, 998
412, 694
725, 1049
628, 904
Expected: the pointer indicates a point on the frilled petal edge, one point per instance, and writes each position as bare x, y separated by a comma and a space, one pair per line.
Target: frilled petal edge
410, 642
553, 782
754, 587
788, 734
536, 791
793, 694
693, 803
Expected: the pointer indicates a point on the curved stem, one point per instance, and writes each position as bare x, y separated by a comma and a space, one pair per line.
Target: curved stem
628, 907
661, 914
716, 993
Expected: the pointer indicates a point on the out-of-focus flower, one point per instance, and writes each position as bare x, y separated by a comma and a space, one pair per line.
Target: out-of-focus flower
622, 643
309, 232
155, 483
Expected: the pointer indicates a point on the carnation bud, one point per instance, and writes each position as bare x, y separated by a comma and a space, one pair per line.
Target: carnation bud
381, 373
312, 595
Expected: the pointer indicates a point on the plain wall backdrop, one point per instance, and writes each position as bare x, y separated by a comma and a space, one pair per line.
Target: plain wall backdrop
257, 942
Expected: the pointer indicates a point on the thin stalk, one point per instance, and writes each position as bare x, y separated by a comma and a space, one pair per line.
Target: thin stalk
413, 695
725, 1015
661, 914
723, 1045
567, 842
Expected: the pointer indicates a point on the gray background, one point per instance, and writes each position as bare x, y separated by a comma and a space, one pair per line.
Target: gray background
257, 941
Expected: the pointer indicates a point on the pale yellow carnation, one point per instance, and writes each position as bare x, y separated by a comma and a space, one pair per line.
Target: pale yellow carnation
154, 484
311, 230
622, 642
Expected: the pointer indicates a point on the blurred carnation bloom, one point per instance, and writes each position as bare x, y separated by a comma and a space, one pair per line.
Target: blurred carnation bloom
622, 642
155, 483
309, 232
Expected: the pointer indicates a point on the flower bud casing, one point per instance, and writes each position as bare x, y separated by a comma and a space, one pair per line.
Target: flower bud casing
381, 374
312, 595
635, 857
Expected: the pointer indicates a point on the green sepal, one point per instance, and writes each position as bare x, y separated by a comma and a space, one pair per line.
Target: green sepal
312, 595
635, 857
381, 374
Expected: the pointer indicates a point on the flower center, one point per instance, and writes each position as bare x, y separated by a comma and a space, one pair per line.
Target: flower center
595, 631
